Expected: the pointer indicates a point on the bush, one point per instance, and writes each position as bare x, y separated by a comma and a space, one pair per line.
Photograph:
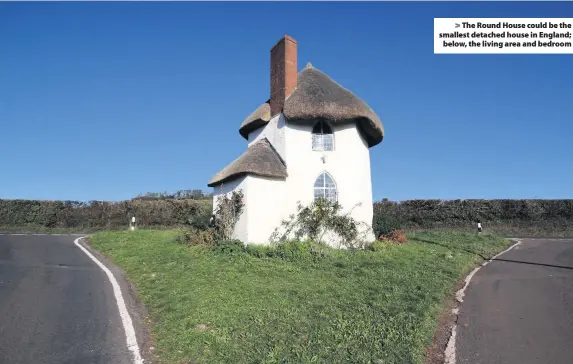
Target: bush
201, 220
383, 224
380, 245
196, 237
206, 233
232, 246
228, 211
291, 250
530, 217
396, 236
320, 218
260, 251
525, 216
98, 215
294, 250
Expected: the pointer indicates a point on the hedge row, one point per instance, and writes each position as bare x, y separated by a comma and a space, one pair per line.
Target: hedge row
520, 215
525, 216
95, 215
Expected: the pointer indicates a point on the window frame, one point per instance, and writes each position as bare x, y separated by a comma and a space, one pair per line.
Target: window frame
321, 136
324, 188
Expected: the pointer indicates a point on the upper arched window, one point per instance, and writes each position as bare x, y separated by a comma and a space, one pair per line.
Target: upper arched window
322, 137
324, 187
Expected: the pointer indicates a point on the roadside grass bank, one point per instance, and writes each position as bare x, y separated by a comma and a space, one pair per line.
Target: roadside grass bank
295, 304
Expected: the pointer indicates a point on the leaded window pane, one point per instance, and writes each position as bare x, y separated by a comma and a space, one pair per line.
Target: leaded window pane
320, 181
324, 187
317, 142
327, 142
322, 137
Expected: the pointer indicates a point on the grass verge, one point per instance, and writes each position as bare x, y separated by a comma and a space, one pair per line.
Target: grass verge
361, 307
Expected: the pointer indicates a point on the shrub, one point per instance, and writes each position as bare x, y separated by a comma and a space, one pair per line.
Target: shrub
398, 236
384, 224
206, 233
318, 219
232, 246
534, 216
294, 250
260, 251
201, 220
395, 237
380, 245
290, 250
299, 251
96, 215
193, 236
227, 214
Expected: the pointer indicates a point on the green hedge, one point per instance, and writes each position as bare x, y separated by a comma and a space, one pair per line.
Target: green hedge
98, 215
526, 217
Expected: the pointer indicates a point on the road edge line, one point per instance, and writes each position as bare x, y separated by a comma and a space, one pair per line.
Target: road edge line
450, 352
130, 337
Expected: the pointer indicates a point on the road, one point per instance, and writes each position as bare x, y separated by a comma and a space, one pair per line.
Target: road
518, 309
56, 305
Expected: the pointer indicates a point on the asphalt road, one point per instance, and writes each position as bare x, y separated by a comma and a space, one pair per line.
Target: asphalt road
518, 309
56, 305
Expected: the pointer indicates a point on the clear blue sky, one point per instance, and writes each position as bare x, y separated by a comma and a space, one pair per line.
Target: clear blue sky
107, 100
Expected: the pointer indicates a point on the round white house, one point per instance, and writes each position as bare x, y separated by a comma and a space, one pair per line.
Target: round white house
311, 139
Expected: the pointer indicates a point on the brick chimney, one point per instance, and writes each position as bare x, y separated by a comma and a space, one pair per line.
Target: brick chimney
283, 73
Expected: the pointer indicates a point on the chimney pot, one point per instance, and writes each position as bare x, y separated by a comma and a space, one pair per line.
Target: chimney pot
283, 72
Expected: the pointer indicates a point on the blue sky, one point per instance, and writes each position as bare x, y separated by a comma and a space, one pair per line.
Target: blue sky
107, 100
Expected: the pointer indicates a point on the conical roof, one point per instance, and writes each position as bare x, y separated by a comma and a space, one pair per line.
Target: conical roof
318, 96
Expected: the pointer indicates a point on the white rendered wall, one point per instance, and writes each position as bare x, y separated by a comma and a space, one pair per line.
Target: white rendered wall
266, 201
348, 165
241, 183
274, 131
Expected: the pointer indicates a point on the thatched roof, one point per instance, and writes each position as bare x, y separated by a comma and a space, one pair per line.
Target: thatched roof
260, 159
317, 96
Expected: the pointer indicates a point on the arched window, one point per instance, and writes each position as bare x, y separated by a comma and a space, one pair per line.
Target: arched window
324, 187
322, 137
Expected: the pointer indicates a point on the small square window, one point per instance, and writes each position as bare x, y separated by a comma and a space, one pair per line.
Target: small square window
322, 137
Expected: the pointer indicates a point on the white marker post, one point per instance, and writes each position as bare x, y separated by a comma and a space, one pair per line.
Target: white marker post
132, 223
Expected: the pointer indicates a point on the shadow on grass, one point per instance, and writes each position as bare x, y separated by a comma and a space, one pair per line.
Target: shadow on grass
450, 247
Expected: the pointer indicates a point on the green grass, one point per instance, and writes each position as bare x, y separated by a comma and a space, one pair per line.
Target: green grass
362, 307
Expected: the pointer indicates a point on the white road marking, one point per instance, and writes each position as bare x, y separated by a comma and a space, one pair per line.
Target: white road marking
450, 353
125, 318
